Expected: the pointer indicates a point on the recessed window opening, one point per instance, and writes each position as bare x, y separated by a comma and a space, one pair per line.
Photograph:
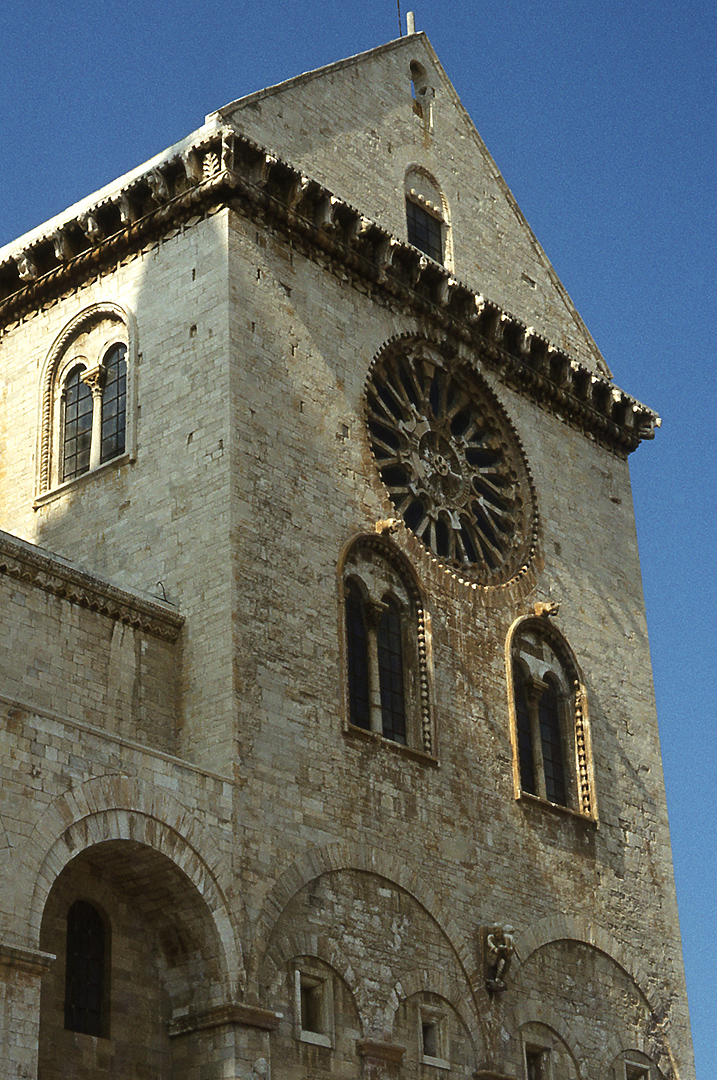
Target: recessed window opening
424, 230
77, 425
636, 1072
311, 1006
426, 214
536, 1063
314, 1006
386, 648
357, 656
420, 90
85, 970
551, 732
429, 1034
114, 404
390, 673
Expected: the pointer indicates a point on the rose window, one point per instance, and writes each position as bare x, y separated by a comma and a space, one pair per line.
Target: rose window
452, 464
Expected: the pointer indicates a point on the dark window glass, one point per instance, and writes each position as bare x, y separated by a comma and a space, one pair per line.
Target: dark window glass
535, 1061
390, 673
550, 737
424, 231
85, 969
114, 404
77, 426
311, 1007
357, 647
525, 740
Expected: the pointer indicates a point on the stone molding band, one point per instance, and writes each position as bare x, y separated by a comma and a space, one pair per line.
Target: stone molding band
234, 1012
55, 576
31, 961
228, 169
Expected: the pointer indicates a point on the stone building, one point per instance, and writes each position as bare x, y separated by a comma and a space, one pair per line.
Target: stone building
329, 746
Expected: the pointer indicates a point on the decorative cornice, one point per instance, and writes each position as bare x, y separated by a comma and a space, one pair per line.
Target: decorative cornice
233, 1012
225, 168
53, 575
32, 961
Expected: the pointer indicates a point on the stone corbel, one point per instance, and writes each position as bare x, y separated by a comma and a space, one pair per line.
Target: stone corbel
298, 191
192, 166
325, 216
646, 425
61, 245
359, 229
126, 211
262, 170
90, 228
559, 366
525, 340
447, 289
157, 186
26, 267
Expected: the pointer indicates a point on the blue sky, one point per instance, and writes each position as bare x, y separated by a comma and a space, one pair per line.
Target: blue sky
601, 118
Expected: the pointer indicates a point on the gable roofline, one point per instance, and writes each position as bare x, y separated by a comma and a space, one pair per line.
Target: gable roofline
317, 73
226, 112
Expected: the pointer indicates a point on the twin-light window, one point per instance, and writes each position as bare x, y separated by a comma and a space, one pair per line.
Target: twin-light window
93, 414
85, 418
386, 647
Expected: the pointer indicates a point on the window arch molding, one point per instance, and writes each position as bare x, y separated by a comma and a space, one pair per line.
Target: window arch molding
108, 324
427, 209
396, 630
549, 720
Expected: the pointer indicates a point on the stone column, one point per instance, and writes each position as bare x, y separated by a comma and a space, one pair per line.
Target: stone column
20, 977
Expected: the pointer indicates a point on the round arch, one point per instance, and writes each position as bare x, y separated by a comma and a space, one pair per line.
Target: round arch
112, 809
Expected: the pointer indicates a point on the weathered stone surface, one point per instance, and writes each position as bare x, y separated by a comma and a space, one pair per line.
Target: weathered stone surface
176, 744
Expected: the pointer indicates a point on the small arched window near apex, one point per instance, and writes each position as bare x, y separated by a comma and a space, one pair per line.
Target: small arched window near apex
86, 970
549, 718
421, 92
427, 223
386, 647
85, 419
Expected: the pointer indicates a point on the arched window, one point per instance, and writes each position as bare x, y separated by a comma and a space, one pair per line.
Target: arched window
357, 665
76, 425
386, 648
390, 671
85, 963
426, 214
549, 714
114, 403
421, 92
85, 397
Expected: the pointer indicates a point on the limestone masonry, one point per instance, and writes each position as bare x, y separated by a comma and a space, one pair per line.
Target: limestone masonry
329, 744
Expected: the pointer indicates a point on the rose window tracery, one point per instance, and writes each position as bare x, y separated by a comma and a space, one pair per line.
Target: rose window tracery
451, 462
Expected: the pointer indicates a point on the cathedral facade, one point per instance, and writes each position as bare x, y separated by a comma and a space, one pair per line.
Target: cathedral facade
329, 745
